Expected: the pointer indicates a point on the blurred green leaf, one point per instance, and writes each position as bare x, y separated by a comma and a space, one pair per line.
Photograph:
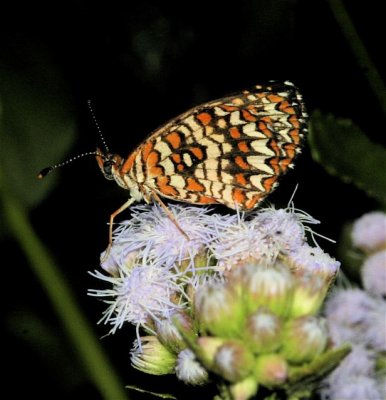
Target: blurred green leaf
36, 120
161, 395
344, 150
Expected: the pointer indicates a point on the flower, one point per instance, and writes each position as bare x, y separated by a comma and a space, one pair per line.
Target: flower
234, 361
150, 356
304, 338
168, 333
314, 271
189, 370
358, 388
351, 315
261, 236
270, 286
263, 331
151, 232
374, 273
218, 308
236, 296
313, 260
271, 369
138, 295
369, 231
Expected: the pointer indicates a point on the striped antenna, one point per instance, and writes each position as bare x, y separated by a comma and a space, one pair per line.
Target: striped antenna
45, 171
98, 127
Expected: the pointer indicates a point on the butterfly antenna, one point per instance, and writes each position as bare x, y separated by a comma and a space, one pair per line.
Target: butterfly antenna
45, 171
97, 126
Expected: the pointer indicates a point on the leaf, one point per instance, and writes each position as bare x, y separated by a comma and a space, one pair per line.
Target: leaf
304, 379
344, 150
36, 120
162, 395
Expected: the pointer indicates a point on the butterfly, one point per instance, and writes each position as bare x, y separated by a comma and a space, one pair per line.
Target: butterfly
230, 151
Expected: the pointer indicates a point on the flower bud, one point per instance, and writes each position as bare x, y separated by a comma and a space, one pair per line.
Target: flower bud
189, 370
219, 309
209, 346
270, 370
309, 294
151, 357
168, 333
304, 339
119, 257
263, 331
245, 389
233, 361
269, 286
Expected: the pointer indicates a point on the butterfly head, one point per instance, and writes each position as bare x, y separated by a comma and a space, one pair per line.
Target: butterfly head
109, 164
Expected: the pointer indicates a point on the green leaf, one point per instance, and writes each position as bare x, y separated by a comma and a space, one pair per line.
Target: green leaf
36, 120
304, 379
344, 150
162, 395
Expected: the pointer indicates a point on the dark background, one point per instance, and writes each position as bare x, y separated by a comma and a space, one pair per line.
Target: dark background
143, 63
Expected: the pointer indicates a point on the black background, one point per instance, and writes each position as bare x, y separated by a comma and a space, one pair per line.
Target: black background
142, 63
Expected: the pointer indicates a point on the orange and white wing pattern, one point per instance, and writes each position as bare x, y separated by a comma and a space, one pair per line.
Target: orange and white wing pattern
230, 151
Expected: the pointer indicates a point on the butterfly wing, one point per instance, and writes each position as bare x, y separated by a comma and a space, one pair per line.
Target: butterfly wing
229, 151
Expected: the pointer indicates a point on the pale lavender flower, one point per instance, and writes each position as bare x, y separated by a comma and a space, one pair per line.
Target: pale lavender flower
369, 231
354, 378
151, 232
375, 336
351, 314
261, 236
313, 260
381, 381
138, 295
238, 239
374, 273
358, 388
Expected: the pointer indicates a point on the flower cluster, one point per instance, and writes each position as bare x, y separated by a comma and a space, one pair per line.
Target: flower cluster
237, 296
358, 316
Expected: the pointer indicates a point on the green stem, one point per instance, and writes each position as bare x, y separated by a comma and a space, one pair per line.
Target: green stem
363, 58
59, 292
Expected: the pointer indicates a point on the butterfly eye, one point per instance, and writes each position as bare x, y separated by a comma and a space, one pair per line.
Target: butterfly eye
107, 169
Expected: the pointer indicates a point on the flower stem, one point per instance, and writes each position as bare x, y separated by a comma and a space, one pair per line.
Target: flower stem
359, 49
58, 291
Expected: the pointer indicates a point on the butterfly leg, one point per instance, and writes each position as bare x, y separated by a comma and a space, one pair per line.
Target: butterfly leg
112, 216
168, 212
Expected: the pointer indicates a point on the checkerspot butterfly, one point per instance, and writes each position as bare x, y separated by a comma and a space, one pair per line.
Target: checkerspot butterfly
229, 151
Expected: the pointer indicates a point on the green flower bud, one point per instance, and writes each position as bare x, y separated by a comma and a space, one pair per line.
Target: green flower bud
219, 310
168, 333
269, 286
309, 294
304, 339
152, 357
245, 389
270, 370
189, 370
233, 361
263, 331
209, 346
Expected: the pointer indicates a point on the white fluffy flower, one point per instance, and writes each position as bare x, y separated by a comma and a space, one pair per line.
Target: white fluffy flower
189, 370
374, 273
151, 232
356, 388
353, 316
137, 295
313, 260
369, 231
